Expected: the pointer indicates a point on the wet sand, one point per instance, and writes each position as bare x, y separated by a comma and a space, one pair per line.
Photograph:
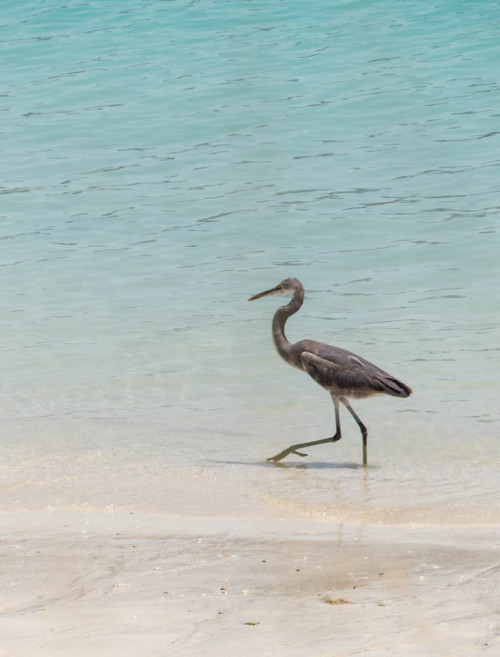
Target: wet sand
133, 583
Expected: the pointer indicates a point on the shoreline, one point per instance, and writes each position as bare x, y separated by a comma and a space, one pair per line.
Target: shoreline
128, 583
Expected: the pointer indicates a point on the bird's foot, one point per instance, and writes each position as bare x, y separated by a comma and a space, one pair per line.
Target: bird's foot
285, 452
275, 459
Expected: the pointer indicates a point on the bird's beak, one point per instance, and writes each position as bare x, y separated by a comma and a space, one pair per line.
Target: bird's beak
273, 290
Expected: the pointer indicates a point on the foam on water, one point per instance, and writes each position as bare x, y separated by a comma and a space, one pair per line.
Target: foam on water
163, 161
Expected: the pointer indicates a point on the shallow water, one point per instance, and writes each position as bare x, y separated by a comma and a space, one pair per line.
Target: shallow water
161, 162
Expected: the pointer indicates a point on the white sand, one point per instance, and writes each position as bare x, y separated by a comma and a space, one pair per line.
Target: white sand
136, 584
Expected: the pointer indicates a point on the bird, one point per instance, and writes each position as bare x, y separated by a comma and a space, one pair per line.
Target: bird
340, 372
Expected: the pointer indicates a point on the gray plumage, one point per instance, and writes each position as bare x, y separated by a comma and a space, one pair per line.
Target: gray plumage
343, 374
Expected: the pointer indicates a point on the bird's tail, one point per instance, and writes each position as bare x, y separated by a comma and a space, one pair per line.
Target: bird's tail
395, 387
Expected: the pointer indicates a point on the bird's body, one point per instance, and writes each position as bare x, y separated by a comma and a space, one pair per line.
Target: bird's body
344, 374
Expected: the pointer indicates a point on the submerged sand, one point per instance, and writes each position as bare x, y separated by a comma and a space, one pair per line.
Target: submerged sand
129, 583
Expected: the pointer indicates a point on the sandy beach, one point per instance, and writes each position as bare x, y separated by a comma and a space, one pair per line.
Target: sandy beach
108, 555
131, 583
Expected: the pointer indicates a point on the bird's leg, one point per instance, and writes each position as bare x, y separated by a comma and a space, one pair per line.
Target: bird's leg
293, 448
363, 429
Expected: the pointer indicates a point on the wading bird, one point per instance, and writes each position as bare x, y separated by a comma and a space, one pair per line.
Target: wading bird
343, 374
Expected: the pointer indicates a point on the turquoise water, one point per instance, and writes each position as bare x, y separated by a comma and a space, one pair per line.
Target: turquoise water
162, 161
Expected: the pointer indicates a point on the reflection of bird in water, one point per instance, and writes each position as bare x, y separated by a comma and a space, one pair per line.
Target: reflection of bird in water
341, 372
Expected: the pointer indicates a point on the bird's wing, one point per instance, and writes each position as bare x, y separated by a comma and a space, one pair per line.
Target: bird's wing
331, 374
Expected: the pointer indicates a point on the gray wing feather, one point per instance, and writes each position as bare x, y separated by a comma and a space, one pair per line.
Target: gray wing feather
334, 375
353, 375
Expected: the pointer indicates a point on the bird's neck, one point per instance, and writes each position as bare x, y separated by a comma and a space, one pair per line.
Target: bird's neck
283, 346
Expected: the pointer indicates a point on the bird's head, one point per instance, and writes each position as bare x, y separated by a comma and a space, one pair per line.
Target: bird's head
286, 288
